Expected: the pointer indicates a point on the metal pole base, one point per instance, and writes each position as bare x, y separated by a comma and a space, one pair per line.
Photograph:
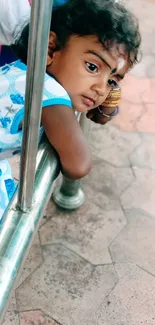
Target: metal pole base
69, 195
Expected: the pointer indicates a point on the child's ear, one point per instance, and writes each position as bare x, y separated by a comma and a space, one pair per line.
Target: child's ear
51, 48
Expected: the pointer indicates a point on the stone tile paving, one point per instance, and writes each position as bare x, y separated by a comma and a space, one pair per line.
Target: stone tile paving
143, 156
15, 161
66, 287
106, 183
36, 317
85, 231
96, 265
11, 318
132, 301
135, 244
141, 193
118, 146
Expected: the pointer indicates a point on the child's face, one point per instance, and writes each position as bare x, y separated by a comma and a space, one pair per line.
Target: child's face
87, 71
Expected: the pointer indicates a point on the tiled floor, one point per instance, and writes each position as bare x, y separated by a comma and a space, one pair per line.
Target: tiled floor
97, 265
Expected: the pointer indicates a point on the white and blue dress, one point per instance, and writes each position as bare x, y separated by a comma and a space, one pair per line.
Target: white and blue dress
12, 99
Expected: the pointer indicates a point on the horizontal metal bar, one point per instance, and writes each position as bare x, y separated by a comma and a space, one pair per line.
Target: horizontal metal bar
37, 57
19, 228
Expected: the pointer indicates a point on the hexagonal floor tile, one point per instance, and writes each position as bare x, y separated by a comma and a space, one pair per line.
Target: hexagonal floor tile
66, 287
11, 318
136, 242
36, 317
132, 300
141, 193
113, 145
144, 155
145, 68
14, 162
87, 231
33, 260
128, 116
12, 302
134, 88
144, 11
146, 122
148, 96
105, 183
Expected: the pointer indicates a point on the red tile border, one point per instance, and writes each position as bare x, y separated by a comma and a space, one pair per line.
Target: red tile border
36, 317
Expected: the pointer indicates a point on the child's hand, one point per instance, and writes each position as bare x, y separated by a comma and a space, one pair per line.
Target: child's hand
108, 109
96, 116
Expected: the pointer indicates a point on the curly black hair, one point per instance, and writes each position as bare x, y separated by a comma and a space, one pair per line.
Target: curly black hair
110, 21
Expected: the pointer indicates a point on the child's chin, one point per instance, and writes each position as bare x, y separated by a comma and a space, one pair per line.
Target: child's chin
82, 108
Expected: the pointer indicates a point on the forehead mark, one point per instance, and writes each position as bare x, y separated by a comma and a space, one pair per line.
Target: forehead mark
121, 63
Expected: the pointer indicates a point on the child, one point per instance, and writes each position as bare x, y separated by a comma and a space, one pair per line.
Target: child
92, 44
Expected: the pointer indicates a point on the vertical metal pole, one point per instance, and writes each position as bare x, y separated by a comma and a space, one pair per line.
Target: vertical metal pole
37, 56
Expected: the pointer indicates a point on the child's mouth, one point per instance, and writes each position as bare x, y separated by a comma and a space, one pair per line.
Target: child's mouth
89, 102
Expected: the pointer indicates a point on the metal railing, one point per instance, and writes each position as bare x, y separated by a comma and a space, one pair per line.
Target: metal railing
37, 57
26, 208
37, 171
19, 228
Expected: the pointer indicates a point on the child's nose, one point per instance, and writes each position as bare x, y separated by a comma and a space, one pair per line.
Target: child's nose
101, 87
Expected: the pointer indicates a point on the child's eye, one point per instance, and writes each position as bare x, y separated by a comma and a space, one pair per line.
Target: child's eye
92, 67
112, 83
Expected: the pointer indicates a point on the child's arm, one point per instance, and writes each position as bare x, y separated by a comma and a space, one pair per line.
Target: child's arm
64, 133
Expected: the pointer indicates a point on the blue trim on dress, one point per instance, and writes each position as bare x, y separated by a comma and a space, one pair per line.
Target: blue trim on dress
56, 101
20, 65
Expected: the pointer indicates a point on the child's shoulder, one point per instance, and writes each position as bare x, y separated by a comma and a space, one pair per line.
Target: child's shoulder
54, 87
54, 93
13, 81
